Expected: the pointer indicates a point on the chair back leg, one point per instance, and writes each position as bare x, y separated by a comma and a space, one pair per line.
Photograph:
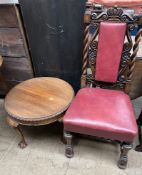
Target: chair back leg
139, 122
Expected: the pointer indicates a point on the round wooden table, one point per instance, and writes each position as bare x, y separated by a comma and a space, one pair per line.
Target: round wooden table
38, 101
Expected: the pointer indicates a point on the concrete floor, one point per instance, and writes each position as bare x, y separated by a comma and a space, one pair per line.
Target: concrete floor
45, 153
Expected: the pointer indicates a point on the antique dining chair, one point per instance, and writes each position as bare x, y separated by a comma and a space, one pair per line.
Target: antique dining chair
102, 107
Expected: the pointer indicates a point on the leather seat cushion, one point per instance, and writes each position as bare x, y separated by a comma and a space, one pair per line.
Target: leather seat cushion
102, 113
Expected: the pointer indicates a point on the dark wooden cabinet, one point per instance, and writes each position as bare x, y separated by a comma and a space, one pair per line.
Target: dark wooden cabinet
55, 34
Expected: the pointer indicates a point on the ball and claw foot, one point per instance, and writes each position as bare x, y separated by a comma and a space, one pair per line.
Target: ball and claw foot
22, 144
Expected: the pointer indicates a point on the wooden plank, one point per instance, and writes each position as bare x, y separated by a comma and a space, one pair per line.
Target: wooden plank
13, 47
15, 69
9, 85
24, 37
8, 16
55, 33
11, 42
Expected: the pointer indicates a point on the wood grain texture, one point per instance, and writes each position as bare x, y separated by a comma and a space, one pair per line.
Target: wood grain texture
39, 99
11, 42
8, 16
16, 69
13, 48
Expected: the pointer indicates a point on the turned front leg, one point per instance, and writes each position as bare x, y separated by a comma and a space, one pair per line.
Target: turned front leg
69, 145
125, 148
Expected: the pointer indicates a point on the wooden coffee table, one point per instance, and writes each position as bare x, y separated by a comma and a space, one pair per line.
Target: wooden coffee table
38, 101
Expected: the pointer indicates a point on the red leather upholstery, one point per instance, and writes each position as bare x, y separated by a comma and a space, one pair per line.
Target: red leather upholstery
110, 46
102, 113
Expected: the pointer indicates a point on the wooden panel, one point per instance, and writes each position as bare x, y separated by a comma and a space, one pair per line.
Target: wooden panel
11, 42
55, 33
16, 69
17, 65
8, 16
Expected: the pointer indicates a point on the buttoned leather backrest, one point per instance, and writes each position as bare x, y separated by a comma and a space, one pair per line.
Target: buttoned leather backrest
109, 53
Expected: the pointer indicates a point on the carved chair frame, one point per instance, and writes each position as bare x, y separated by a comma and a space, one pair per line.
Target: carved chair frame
95, 14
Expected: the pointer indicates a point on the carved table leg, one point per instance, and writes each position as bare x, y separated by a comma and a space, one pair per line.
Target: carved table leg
139, 122
69, 146
122, 163
22, 144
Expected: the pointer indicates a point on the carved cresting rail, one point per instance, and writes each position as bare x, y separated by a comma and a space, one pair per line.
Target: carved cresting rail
95, 14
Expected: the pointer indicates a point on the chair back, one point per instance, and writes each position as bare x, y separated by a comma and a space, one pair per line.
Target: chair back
109, 52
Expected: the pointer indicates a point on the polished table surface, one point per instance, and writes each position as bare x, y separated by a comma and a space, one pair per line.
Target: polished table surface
39, 99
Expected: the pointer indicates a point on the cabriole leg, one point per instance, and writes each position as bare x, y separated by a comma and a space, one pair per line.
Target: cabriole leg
122, 163
22, 144
69, 146
16, 126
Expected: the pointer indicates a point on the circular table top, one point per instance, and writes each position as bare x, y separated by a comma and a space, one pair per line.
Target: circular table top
39, 98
